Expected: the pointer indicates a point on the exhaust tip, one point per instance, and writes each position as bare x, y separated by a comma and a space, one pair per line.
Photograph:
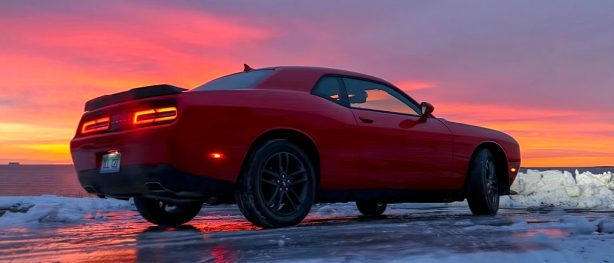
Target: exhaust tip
90, 189
154, 186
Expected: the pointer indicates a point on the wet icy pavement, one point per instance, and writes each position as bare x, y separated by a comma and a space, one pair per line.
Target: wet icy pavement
330, 233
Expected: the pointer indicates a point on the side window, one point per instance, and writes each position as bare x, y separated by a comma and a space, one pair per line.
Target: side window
374, 96
330, 89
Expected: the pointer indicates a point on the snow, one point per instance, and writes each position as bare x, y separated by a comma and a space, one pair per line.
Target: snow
562, 189
334, 210
27, 210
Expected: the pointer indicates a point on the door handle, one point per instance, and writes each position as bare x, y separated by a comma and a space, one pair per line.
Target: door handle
365, 120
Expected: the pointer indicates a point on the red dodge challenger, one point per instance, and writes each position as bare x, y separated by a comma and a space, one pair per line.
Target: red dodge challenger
277, 140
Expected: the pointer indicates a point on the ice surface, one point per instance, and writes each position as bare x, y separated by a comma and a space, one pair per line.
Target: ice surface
606, 226
407, 233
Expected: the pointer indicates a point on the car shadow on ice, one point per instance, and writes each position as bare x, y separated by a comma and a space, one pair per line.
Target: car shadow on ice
419, 233
183, 243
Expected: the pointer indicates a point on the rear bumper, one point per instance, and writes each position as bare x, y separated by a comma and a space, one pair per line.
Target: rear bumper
152, 165
161, 181
150, 146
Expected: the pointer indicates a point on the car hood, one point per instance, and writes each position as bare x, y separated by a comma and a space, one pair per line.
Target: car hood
483, 133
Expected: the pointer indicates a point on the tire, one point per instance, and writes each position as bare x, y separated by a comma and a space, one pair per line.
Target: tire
277, 187
371, 208
482, 184
165, 213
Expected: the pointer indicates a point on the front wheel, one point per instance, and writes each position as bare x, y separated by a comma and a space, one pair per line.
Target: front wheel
277, 187
371, 208
166, 213
482, 184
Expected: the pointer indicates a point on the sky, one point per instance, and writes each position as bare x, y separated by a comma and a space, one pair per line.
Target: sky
540, 71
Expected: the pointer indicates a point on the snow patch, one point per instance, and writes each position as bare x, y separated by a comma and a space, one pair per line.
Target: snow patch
23, 210
562, 189
581, 225
334, 209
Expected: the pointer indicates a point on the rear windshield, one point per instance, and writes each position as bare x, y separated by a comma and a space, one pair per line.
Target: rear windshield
241, 80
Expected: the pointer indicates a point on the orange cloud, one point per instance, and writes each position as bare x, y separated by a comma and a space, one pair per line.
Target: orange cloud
547, 137
52, 63
30, 143
53, 60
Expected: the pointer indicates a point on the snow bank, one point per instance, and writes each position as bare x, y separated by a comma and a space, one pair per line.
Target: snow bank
21, 210
562, 189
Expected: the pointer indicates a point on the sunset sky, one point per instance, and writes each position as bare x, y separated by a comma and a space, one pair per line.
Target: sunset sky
542, 71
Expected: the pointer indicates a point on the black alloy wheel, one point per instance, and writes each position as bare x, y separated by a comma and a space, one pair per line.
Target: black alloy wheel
483, 184
284, 183
166, 213
277, 188
369, 208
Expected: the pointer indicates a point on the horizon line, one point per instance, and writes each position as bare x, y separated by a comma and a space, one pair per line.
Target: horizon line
522, 167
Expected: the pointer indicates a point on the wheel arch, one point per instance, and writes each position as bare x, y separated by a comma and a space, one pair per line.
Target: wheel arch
501, 164
304, 141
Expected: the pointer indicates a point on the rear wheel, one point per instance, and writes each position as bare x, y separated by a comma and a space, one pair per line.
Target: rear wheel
166, 213
482, 184
277, 187
371, 208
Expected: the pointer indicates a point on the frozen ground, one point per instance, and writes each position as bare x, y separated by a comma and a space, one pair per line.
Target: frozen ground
549, 221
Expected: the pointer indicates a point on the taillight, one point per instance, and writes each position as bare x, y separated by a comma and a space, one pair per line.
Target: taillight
99, 124
163, 114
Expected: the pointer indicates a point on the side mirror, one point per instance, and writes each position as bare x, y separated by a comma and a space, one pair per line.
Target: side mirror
358, 97
427, 109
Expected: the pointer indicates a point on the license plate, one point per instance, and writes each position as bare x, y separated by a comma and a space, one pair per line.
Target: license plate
110, 163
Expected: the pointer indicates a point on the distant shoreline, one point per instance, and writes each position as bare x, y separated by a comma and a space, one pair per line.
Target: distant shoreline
62, 179
593, 169
33, 165
533, 167
6, 164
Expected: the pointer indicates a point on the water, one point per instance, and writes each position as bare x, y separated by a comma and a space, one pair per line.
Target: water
40, 179
62, 179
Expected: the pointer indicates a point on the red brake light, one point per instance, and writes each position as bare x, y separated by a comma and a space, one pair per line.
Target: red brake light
154, 115
99, 124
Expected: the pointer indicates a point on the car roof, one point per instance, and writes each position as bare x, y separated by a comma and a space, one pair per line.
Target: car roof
303, 78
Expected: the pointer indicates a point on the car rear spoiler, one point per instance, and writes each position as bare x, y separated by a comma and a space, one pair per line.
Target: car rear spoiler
133, 94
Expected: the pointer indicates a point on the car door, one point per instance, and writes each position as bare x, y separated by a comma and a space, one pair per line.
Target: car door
338, 146
397, 148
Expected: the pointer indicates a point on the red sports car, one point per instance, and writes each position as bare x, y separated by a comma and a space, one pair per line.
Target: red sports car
276, 140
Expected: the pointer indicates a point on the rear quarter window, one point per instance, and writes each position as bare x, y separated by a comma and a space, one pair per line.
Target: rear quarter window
330, 88
241, 80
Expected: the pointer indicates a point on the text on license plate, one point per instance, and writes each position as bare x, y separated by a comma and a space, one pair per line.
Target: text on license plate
110, 163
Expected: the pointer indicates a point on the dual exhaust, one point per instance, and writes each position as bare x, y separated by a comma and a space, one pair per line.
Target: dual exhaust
158, 191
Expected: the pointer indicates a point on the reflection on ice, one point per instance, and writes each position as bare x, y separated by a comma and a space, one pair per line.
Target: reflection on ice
221, 234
